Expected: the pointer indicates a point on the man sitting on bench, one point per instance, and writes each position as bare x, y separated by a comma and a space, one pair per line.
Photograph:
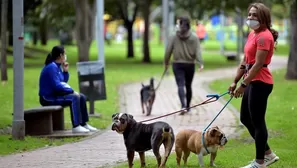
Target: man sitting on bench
54, 90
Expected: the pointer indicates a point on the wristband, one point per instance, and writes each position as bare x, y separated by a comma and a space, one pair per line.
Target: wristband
242, 66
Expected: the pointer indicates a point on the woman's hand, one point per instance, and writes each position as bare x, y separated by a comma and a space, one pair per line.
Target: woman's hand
201, 68
231, 88
65, 66
239, 92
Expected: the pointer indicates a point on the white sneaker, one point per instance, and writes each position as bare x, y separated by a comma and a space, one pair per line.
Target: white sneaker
87, 126
254, 164
80, 129
271, 158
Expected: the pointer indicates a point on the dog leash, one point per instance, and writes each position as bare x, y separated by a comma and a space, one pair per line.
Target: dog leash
209, 100
203, 133
164, 72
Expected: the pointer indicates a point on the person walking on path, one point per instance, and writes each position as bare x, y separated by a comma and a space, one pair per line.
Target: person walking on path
257, 83
185, 47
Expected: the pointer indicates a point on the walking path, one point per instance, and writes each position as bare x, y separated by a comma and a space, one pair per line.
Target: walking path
108, 147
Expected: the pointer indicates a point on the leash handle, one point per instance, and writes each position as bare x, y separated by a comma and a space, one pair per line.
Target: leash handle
217, 96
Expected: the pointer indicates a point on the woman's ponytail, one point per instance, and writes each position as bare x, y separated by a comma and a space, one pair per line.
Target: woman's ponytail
274, 34
48, 59
54, 55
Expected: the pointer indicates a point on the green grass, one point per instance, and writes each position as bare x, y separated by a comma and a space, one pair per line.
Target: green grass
281, 122
119, 70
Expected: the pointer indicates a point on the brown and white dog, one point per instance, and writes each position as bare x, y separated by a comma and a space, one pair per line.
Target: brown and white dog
187, 141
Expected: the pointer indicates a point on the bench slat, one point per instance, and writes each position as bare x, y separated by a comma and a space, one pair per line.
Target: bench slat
43, 109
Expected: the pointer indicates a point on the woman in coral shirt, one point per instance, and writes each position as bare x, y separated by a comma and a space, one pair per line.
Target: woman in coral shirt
257, 83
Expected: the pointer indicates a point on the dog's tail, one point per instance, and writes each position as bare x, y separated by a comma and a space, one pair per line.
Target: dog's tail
152, 83
166, 132
167, 140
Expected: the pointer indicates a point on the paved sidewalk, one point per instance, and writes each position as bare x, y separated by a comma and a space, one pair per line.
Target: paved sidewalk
108, 147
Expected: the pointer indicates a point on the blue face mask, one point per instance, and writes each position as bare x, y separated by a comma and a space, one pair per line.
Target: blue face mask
253, 24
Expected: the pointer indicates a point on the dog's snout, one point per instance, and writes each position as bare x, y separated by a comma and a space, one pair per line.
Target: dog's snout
113, 127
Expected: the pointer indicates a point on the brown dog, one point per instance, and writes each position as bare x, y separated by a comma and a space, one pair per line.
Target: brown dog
187, 141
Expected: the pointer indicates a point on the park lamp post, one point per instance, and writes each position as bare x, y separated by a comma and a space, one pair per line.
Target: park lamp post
18, 124
171, 16
100, 31
165, 13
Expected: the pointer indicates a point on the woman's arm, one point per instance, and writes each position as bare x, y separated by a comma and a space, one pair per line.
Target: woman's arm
198, 53
168, 51
66, 76
240, 71
59, 86
263, 46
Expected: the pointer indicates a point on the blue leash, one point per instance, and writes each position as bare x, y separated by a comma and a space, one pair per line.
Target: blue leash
217, 97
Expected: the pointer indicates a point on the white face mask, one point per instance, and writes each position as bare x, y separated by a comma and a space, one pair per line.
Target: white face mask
253, 24
177, 27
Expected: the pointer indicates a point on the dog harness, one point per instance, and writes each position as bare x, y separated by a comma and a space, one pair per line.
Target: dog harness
203, 142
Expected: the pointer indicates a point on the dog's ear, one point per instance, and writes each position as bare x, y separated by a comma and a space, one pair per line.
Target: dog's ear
130, 116
114, 115
142, 85
213, 132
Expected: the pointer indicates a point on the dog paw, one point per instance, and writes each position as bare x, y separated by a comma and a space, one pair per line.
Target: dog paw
213, 165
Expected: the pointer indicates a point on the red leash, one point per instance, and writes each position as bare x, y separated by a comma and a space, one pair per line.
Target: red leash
204, 102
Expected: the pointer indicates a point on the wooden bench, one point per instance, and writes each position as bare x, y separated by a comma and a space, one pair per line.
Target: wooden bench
44, 120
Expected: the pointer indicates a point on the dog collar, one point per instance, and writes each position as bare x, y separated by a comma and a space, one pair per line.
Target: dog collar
203, 142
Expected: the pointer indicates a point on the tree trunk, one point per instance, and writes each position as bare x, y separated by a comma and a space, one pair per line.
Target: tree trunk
43, 31
4, 76
83, 50
122, 6
146, 48
292, 61
129, 27
85, 18
35, 37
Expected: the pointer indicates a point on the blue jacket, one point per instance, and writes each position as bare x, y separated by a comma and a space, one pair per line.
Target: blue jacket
53, 82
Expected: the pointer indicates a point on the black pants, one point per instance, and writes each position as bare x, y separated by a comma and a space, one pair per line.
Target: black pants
252, 114
184, 74
77, 103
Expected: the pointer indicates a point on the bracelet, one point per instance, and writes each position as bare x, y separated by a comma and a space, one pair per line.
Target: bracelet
242, 66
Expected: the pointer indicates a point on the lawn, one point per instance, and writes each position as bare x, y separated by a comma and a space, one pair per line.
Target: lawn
119, 70
281, 122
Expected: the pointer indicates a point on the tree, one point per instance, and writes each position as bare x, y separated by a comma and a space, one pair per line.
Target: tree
146, 13
126, 10
28, 6
292, 61
85, 19
4, 76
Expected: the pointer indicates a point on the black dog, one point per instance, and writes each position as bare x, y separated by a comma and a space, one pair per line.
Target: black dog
147, 97
141, 137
